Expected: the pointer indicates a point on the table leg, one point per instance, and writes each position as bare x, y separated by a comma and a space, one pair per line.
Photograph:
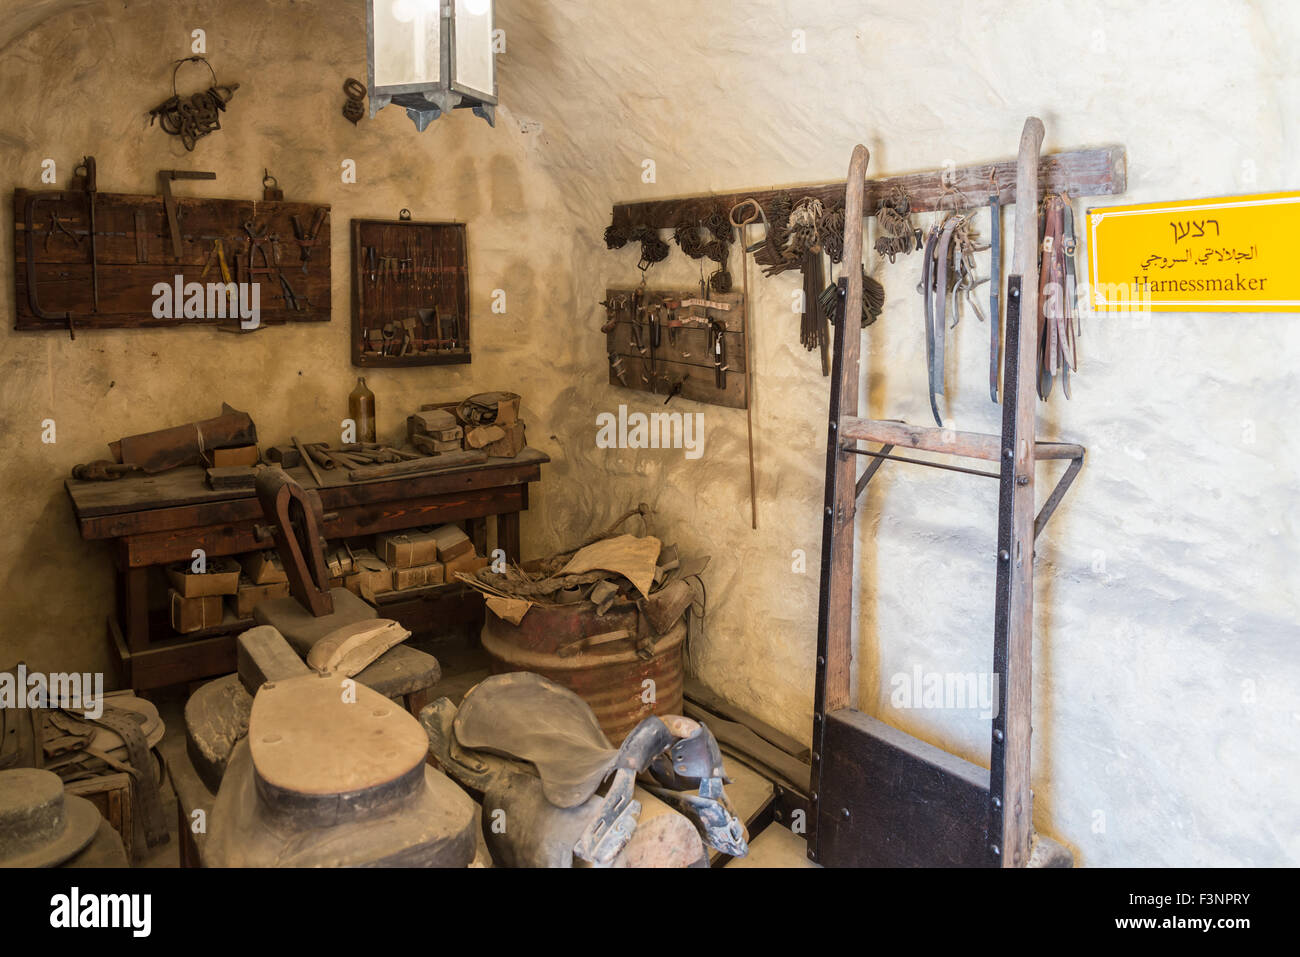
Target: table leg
508, 535
134, 609
476, 528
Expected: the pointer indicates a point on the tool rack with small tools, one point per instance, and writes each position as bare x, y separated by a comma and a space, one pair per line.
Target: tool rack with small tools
90, 260
678, 343
410, 293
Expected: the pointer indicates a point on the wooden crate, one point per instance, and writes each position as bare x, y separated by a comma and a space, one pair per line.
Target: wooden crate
111, 793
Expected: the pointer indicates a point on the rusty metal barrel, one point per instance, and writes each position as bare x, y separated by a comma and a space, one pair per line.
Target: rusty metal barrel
597, 658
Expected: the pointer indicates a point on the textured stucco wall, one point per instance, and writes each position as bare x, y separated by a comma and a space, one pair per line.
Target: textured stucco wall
82, 82
1165, 702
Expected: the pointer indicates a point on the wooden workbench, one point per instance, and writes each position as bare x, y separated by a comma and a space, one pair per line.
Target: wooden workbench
159, 519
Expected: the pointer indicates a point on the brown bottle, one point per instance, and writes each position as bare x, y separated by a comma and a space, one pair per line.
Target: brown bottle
361, 408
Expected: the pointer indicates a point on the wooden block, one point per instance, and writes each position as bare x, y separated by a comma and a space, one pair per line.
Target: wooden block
510, 444
452, 542
263, 655
263, 568
408, 548
431, 446
232, 476
484, 436
221, 577
240, 455
195, 614
435, 423
250, 595
285, 456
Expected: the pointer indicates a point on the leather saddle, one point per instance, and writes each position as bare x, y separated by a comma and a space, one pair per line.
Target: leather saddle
529, 718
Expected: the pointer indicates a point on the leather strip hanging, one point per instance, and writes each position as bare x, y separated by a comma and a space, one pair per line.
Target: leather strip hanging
995, 289
1058, 315
948, 270
123, 723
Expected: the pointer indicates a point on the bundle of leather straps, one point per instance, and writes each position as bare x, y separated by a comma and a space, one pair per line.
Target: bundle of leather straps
947, 270
1058, 312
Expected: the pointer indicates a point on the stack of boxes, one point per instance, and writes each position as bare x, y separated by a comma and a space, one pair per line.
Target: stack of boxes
414, 558
197, 595
427, 556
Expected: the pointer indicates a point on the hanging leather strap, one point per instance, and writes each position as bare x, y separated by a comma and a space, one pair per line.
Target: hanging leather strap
995, 290
926, 290
123, 723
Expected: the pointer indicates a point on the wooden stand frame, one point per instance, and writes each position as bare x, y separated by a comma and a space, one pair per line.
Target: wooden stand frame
880, 796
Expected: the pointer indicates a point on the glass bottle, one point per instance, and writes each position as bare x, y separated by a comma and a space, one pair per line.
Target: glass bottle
361, 409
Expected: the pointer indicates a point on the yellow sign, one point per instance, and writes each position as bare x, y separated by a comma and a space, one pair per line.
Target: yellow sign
1234, 254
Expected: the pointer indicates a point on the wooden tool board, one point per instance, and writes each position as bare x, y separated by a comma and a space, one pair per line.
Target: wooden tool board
416, 283
134, 253
685, 357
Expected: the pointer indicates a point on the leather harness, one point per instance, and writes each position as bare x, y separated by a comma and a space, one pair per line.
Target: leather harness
1058, 314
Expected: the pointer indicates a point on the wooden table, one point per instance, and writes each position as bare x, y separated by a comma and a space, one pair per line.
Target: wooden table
160, 519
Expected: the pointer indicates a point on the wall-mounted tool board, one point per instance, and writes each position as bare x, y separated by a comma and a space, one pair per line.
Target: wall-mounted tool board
410, 293
134, 253
684, 355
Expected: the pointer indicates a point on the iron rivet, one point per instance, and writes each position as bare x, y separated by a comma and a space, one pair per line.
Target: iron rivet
997, 802
1004, 555
829, 510
821, 660
1007, 453
845, 812
834, 426
1022, 479
995, 849
997, 734
814, 797
816, 756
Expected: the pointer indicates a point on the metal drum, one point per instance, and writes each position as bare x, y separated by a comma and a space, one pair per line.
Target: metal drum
596, 658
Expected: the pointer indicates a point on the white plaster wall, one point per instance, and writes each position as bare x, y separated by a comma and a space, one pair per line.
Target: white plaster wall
1165, 704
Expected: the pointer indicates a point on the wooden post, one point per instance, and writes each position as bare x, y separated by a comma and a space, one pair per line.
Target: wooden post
1011, 814
835, 614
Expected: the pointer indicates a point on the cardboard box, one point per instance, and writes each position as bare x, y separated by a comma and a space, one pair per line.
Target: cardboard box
452, 543
406, 549
415, 577
250, 595
241, 455
370, 576
220, 577
263, 568
195, 614
468, 564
